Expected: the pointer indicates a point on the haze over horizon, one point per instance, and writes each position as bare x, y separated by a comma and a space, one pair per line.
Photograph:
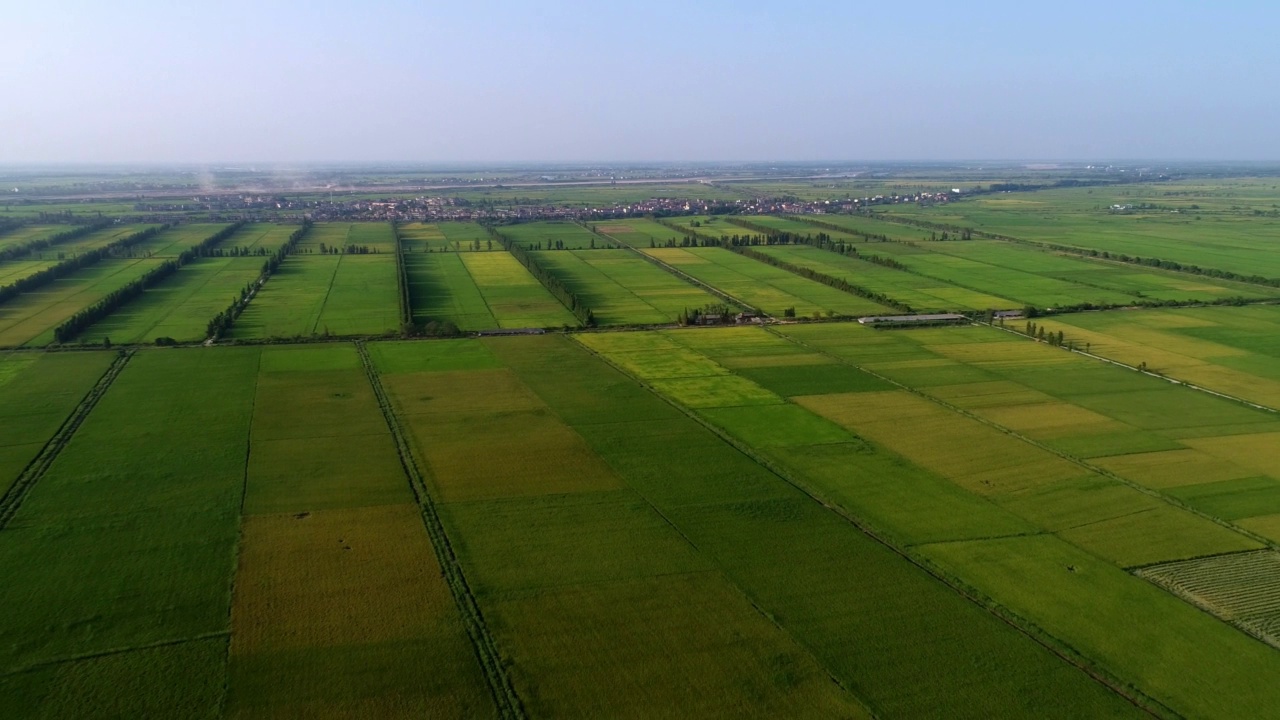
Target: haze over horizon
566, 82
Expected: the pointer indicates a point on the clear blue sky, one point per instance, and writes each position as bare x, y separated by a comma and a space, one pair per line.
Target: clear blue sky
488, 81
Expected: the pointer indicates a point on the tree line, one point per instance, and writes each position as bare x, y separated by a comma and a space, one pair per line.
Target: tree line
17, 251
552, 283
79, 322
222, 322
70, 265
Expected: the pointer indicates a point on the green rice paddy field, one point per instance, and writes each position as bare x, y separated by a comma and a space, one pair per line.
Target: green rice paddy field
317, 291
1210, 225
622, 287
481, 291
445, 236
788, 519
552, 235
762, 286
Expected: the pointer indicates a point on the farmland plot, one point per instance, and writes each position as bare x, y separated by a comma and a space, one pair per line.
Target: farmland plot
325, 287
117, 564
552, 235
540, 520
623, 288
1230, 350
181, 305
771, 289
12, 270
339, 608
29, 233
1010, 489
445, 236
920, 293
29, 319
783, 548
37, 393
639, 233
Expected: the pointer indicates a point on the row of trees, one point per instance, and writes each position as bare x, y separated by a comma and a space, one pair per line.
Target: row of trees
347, 250
77, 323
222, 322
17, 251
549, 281
70, 265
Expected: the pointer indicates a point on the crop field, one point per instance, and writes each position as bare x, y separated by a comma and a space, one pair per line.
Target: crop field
922, 294
339, 606
762, 286
480, 291
117, 562
37, 393
321, 290
553, 235
441, 288
1229, 350
29, 319
622, 288
513, 296
181, 305
1243, 588
639, 232
714, 226
884, 229
1044, 279
29, 233
574, 473
498, 512
797, 227
445, 236
954, 485
12, 270
1212, 227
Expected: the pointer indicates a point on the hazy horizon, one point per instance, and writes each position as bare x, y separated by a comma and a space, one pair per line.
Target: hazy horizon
145, 84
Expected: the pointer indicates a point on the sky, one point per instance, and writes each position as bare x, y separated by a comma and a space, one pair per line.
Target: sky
699, 80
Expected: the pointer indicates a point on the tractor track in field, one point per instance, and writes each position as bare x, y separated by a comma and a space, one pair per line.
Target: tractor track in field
12, 499
504, 694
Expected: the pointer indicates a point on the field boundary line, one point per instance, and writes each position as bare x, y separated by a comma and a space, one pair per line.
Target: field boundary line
1019, 624
116, 651
12, 499
504, 694
235, 553
327, 292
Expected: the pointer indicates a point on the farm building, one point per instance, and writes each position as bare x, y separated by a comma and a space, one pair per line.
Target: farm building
907, 320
